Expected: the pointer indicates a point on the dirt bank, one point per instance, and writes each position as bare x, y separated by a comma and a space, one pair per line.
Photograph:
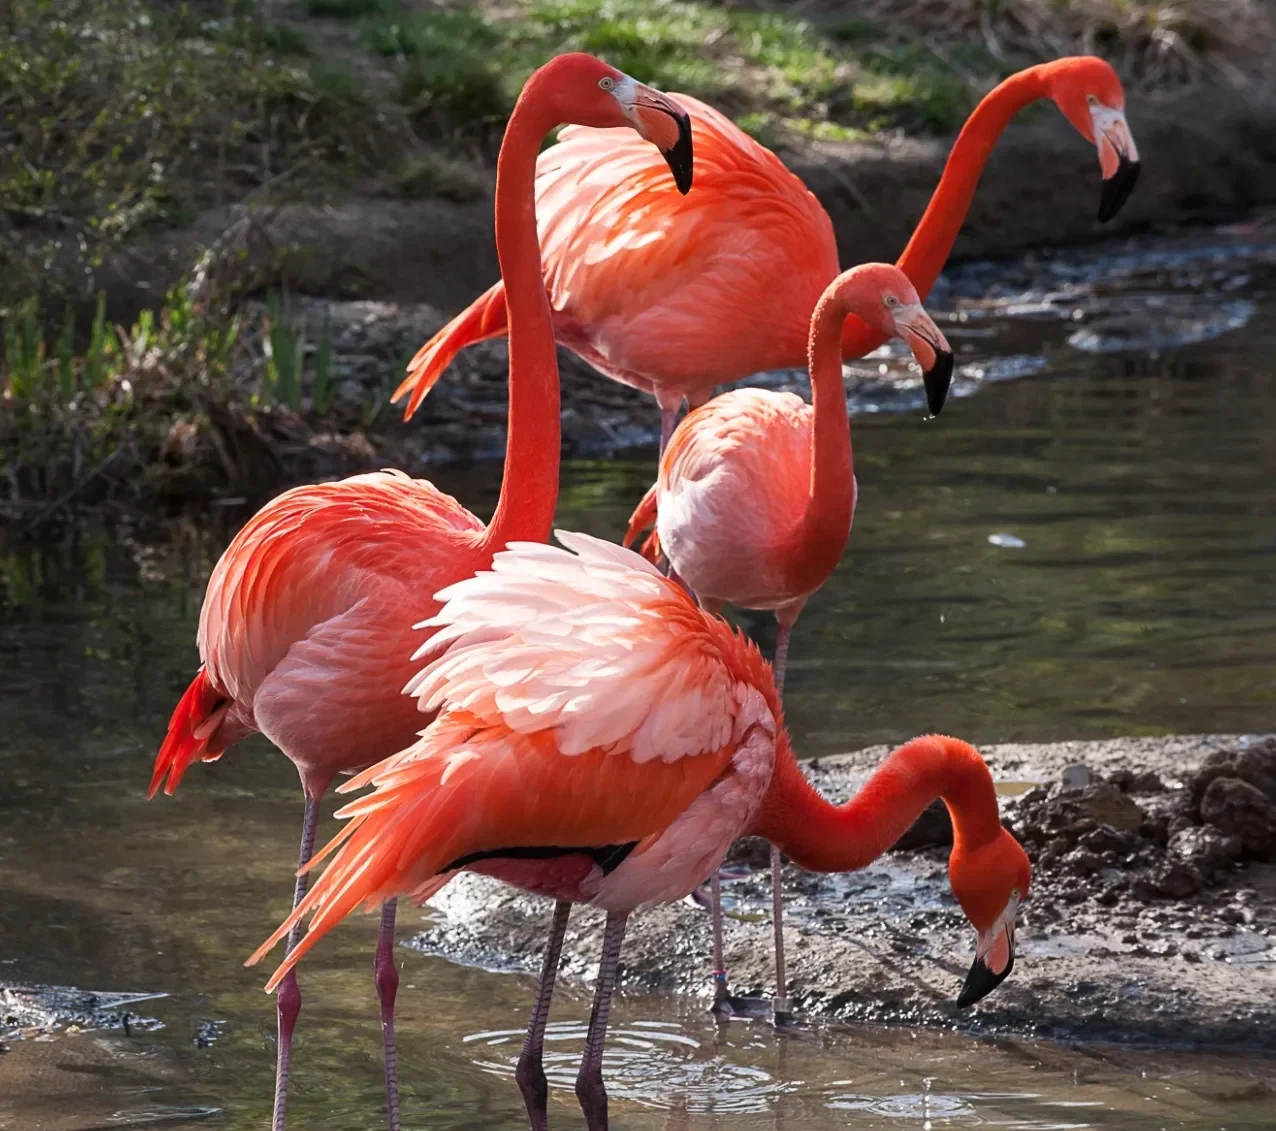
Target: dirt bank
1152, 916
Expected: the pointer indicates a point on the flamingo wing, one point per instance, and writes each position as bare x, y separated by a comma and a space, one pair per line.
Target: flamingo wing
584, 701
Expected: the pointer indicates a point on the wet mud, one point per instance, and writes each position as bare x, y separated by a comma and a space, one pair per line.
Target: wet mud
1152, 916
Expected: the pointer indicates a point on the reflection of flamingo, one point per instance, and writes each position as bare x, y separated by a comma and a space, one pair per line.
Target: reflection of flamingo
675, 296
756, 492
601, 739
306, 631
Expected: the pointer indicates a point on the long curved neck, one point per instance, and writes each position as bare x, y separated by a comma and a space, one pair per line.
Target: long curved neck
932, 242
826, 523
529, 488
822, 837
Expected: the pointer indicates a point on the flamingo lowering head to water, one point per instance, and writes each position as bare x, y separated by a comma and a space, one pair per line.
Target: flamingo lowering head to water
675, 295
306, 630
756, 493
601, 739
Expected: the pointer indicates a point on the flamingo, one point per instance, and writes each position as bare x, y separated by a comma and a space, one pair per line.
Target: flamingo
601, 739
756, 494
676, 296
306, 629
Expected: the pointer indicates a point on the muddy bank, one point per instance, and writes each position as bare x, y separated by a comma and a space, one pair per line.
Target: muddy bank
1152, 916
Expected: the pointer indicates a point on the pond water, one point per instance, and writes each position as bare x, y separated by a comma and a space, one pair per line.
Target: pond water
1089, 551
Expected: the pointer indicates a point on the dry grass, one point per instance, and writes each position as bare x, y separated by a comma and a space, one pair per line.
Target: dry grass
1153, 43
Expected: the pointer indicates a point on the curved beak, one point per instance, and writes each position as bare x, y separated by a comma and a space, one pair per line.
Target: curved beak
664, 123
994, 959
1118, 158
931, 351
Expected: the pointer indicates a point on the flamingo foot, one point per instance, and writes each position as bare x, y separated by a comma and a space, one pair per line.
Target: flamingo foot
386, 976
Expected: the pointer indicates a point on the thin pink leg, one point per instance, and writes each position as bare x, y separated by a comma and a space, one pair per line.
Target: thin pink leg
288, 996
386, 975
782, 1012
530, 1072
589, 1082
719, 957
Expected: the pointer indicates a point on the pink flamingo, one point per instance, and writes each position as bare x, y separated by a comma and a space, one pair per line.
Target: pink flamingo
675, 296
600, 739
306, 633
756, 493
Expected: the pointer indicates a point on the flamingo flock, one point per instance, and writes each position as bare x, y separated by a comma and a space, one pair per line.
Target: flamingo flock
576, 720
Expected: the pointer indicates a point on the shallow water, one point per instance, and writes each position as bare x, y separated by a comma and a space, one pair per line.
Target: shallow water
1085, 552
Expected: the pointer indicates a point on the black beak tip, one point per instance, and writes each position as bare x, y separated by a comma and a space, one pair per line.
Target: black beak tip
981, 981
937, 380
1117, 189
680, 157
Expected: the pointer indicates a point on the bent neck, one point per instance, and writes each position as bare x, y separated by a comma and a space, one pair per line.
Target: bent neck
826, 522
529, 488
932, 241
822, 837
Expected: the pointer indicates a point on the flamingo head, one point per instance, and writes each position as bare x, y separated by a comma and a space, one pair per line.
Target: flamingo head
989, 883
593, 93
1091, 97
884, 297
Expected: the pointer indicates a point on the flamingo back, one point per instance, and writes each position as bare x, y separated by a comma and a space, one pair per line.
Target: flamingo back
672, 287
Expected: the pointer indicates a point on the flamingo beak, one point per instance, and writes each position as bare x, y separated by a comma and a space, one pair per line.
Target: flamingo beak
930, 350
664, 123
994, 959
1118, 159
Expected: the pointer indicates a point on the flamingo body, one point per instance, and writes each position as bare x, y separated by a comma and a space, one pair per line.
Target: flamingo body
584, 702
306, 629
732, 488
657, 290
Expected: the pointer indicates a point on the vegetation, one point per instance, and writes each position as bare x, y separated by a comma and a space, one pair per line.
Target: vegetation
121, 121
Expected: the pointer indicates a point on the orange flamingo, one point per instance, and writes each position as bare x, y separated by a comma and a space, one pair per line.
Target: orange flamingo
306, 633
600, 739
676, 296
756, 493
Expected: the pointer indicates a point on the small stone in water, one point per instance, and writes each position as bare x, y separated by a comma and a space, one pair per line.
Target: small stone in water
1007, 541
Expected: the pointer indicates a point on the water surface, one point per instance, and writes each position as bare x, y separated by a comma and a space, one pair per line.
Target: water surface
1089, 551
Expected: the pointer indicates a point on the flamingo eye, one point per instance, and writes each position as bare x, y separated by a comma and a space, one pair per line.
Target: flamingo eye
1092, 100
607, 82
892, 301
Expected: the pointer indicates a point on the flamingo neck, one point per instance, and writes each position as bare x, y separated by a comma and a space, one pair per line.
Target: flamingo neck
826, 523
822, 837
529, 488
932, 241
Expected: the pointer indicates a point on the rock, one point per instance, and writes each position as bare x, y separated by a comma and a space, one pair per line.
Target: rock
1082, 862
1237, 807
933, 828
1174, 880
1205, 848
1106, 805
1076, 777
1256, 764
1147, 782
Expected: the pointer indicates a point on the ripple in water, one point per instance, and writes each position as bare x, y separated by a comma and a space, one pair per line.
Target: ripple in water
651, 1063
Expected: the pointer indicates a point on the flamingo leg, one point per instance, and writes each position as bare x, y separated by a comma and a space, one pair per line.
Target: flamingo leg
589, 1083
530, 1072
386, 976
288, 996
782, 1013
721, 997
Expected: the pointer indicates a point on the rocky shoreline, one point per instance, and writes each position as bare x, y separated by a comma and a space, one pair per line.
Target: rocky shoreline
1152, 917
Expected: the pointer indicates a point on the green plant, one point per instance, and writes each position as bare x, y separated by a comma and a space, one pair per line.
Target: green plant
321, 395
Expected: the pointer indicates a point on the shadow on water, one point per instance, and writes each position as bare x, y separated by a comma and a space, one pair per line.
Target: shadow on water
1087, 555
